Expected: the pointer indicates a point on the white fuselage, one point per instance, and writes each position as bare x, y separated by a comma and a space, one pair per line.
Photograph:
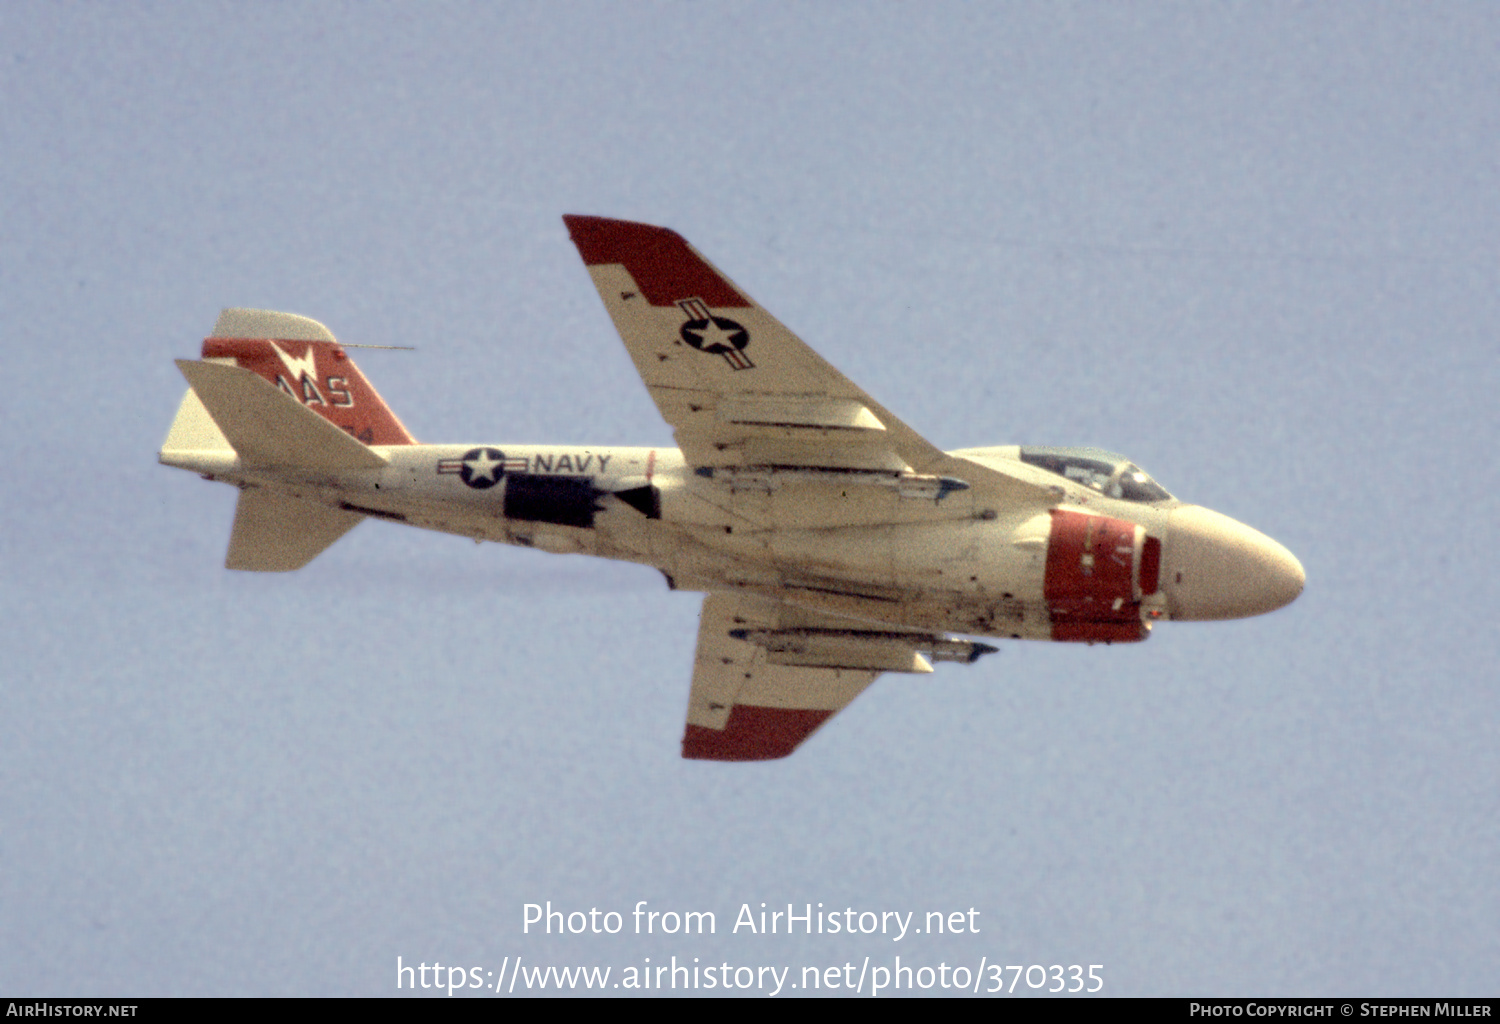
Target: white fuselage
883, 549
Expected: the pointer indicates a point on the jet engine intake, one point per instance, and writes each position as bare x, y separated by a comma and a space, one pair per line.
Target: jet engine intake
1094, 577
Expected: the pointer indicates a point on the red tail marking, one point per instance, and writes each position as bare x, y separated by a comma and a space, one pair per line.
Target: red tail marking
320, 376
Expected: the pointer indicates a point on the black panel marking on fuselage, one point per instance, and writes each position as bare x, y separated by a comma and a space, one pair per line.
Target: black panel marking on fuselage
561, 500
646, 500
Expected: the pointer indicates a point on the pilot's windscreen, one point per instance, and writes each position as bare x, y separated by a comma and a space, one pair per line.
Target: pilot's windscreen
1109, 474
1135, 484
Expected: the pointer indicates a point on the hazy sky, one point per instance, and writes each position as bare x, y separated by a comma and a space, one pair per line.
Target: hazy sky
1252, 246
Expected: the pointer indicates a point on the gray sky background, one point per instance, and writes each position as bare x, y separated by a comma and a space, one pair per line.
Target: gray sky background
1252, 246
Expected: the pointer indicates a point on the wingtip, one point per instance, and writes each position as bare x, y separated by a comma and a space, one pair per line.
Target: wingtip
608, 240
662, 263
753, 734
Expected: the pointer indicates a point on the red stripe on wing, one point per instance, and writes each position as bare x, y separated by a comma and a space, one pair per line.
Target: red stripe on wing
753, 734
665, 268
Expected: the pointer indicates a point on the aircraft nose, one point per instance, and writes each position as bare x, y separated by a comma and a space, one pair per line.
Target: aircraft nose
1214, 567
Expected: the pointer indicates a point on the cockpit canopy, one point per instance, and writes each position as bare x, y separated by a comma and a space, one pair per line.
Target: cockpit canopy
1112, 475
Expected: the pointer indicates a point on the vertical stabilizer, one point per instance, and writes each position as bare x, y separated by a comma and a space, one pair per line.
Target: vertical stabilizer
301, 357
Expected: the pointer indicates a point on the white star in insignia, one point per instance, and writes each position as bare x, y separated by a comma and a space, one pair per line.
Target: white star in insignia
712, 334
482, 466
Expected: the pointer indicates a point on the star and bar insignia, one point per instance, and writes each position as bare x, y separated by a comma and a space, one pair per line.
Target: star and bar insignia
482, 468
716, 335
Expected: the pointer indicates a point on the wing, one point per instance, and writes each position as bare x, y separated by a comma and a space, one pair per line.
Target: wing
768, 674
739, 389
743, 707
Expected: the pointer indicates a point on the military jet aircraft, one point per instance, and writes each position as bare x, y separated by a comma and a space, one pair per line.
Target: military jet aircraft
832, 542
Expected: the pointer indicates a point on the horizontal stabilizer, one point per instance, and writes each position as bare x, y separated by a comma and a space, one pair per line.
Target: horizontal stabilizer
193, 430
275, 532
267, 427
